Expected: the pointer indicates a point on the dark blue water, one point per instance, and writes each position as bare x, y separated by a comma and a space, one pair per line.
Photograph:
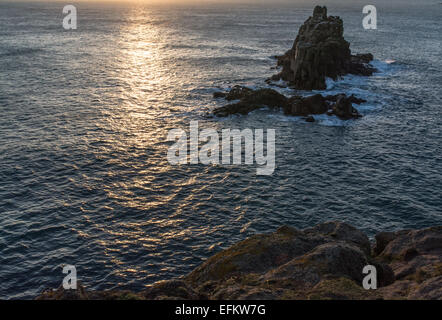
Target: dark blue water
85, 115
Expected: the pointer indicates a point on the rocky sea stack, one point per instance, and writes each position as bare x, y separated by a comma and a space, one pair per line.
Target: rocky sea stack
323, 262
320, 51
249, 100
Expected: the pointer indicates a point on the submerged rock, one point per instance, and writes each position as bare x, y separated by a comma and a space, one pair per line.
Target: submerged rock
321, 51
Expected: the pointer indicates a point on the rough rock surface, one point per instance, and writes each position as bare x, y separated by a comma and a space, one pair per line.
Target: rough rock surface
323, 262
321, 51
250, 100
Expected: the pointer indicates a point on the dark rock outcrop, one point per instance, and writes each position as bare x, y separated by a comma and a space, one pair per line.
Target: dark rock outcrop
236, 93
415, 258
310, 119
343, 108
321, 51
353, 98
304, 106
250, 100
323, 262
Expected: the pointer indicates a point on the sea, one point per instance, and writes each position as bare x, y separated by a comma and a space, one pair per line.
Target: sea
85, 115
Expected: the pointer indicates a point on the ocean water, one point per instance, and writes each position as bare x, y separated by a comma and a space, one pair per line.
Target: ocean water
84, 178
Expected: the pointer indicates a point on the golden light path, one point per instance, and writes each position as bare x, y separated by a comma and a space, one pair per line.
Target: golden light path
144, 76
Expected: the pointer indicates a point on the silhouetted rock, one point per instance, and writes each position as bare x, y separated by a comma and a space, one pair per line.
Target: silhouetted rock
352, 98
219, 94
320, 51
343, 108
304, 106
251, 100
310, 119
236, 93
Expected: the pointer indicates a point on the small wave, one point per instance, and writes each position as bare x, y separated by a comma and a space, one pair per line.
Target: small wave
360, 86
350, 84
19, 52
385, 67
367, 107
332, 121
321, 119
284, 118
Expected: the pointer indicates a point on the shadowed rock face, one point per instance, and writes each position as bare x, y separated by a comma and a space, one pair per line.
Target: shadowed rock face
323, 262
320, 51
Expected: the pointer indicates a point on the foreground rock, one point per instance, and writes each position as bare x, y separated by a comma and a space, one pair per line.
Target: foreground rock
250, 100
323, 262
415, 258
321, 51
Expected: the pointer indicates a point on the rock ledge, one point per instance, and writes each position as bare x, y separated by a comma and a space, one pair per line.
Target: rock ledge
323, 262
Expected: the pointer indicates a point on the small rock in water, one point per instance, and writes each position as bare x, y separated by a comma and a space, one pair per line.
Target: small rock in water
219, 94
310, 119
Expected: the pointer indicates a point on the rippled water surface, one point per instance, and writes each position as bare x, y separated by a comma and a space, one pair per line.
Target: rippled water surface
85, 115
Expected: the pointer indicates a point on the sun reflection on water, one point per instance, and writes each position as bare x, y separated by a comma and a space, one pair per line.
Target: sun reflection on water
143, 73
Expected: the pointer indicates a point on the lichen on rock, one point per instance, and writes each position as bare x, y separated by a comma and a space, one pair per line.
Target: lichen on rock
322, 262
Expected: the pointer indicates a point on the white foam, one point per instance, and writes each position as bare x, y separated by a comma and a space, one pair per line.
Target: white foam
284, 118
349, 84
332, 121
329, 83
365, 107
321, 119
384, 67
